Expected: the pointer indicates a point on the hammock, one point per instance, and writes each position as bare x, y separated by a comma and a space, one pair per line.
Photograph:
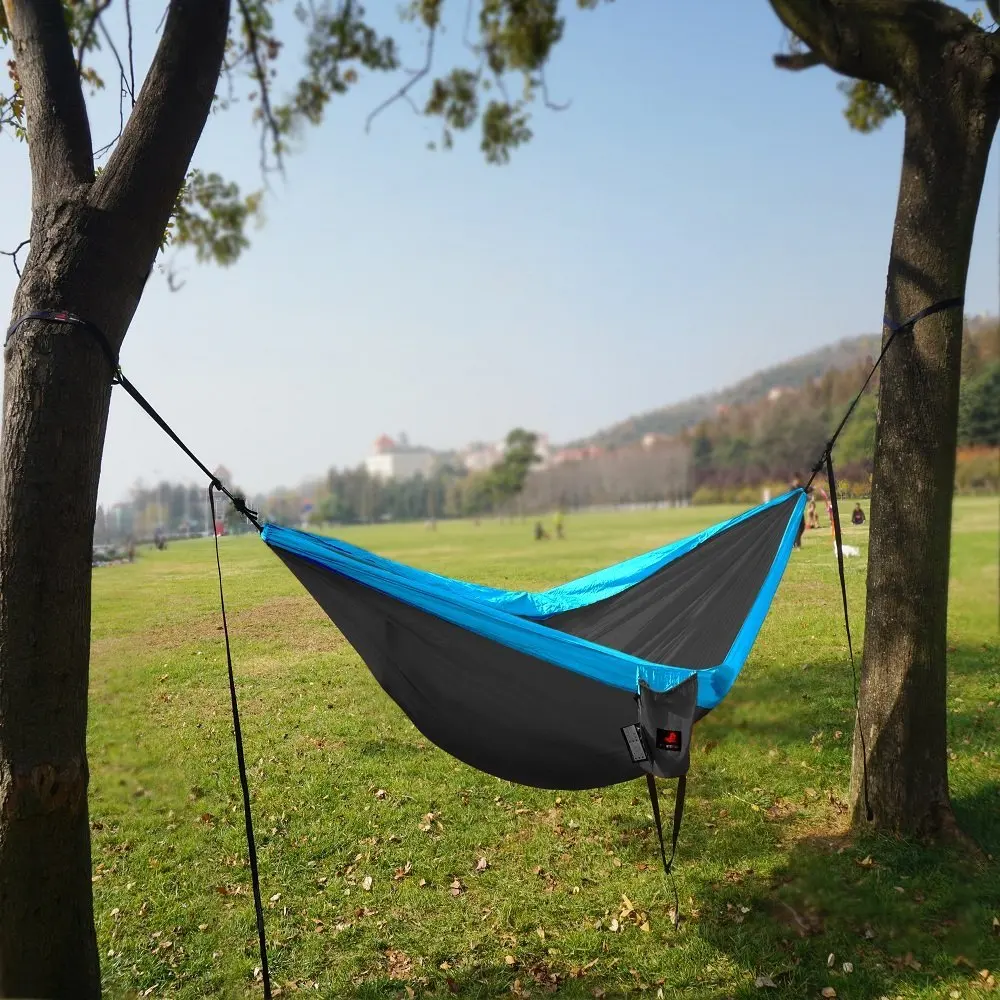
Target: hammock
591, 683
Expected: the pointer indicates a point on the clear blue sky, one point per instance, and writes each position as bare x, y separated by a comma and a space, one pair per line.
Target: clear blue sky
694, 216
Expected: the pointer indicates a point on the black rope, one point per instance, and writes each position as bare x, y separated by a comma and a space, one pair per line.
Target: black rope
668, 865
894, 328
838, 542
242, 765
118, 377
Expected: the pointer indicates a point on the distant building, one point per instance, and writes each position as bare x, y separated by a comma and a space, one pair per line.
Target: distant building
576, 454
399, 460
479, 457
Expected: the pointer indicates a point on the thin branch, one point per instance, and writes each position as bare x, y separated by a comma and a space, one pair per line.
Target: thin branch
415, 77
131, 50
270, 126
118, 59
466, 39
61, 150
100, 6
797, 60
122, 90
13, 254
148, 165
551, 105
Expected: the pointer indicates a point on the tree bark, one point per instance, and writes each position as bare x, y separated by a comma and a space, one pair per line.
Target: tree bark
950, 124
92, 245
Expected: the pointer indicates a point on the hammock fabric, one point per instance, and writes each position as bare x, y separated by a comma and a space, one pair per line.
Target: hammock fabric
594, 682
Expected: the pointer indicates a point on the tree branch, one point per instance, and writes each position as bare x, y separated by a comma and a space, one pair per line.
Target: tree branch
131, 50
797, 60
415, 77
148, 166
13, 254
550, 104
59, 142
118, 59
270, 126
100, 6
882, 41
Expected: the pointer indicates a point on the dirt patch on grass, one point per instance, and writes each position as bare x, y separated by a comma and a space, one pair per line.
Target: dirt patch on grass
294, 621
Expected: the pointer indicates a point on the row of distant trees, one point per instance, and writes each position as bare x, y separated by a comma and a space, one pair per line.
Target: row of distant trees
759, 443
175, 509
773, 439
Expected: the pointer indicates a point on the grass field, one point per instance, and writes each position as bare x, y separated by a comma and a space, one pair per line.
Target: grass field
391, 870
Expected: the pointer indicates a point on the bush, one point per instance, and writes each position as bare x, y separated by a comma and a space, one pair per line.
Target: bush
977, 470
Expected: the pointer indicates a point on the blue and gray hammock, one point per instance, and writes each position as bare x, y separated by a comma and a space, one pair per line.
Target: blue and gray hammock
548, 689
591, 683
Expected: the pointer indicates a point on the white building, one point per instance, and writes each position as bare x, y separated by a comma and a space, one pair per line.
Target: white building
480, 457
392, 460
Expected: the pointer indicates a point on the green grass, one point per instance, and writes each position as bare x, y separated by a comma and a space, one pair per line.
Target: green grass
344, 788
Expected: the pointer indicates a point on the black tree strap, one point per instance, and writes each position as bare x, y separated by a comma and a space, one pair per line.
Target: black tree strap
827, 459
118, 377
668, 865
242, 765
839, 544
893, 328
68, 318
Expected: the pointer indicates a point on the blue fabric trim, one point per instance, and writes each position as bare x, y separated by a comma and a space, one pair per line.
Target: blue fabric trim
577, 593
608, 666
486, 610
724, 676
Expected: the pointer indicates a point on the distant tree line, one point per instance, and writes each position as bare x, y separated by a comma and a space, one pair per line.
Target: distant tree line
778, 436
174, 509
730, 456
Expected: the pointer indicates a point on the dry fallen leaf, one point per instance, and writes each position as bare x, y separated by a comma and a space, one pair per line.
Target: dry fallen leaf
765, 981
829, 992
848, 968
367, 883
457, 888
482, 864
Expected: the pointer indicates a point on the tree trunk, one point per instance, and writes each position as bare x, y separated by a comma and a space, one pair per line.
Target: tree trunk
92, 245
57, 386
903, 716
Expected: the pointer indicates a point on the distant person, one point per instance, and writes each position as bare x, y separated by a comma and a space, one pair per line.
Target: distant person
796, 484
857, 515
559, 524
131, 549
540, 532
812, 518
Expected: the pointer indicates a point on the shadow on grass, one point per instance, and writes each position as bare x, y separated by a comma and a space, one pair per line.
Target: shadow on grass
905, 918
788, 704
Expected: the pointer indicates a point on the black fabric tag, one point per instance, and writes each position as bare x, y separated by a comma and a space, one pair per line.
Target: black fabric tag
633, 739
669, 739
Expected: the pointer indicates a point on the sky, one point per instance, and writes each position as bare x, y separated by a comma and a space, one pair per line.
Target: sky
695, 215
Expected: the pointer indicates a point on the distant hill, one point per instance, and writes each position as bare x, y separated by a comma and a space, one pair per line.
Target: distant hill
792, 374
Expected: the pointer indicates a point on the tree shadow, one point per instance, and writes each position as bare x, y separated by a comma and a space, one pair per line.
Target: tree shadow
902, 916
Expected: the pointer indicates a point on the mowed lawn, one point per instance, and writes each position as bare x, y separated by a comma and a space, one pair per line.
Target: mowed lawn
389, 869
